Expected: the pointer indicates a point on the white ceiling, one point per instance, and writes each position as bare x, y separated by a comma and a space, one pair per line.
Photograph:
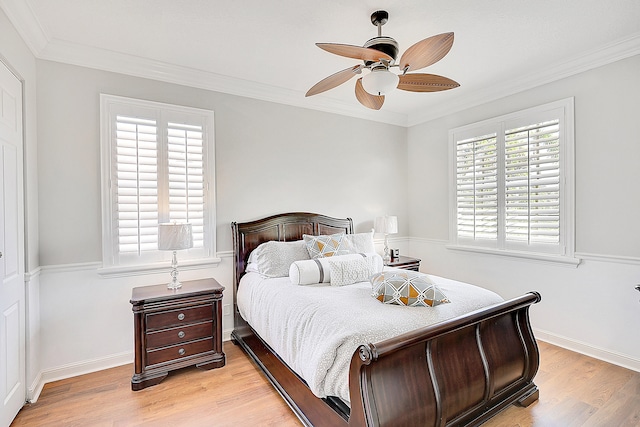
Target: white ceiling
265, 49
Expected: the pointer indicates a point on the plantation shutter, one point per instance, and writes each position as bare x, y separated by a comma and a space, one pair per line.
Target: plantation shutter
158, 166
186, 177
136, 184
532, 183
477, 188
512, 181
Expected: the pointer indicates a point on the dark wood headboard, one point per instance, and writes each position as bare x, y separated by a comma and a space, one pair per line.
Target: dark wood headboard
286, 227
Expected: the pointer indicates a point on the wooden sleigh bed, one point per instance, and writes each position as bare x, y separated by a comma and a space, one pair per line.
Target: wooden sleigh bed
458, 372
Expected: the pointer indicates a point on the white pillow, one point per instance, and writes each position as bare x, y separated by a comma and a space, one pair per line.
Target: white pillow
359, 242
309, 272
350, 271
273, 258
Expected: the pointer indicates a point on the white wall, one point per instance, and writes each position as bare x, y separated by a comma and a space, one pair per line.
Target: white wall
592, 308
17, 56
270, 158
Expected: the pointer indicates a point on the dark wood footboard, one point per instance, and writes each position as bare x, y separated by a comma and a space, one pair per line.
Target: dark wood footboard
458, 372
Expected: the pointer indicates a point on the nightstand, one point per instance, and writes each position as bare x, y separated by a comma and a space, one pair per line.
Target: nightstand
405, 262
174, 329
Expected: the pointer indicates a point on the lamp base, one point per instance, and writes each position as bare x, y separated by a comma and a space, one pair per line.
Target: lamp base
174, 283
386, 258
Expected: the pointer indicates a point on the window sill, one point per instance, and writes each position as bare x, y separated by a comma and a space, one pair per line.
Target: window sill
158, 267
569, 261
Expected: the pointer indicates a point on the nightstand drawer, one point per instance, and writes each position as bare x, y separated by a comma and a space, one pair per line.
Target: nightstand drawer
178, 335
179, 317
178, 352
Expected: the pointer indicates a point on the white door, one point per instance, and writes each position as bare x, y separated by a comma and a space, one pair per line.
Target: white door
12, 287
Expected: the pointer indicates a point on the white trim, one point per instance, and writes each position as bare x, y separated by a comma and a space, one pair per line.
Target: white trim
85, 367
224, 254
69, 268
441, 242
32, 274
553, 259
163, 267
579, 347
584, 256
563, 111
34, 390
608, 258
21, 15
70, 53
620, 49
159, 267
44, 47
110, 107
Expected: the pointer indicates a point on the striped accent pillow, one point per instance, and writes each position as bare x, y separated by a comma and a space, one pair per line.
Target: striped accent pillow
309, 272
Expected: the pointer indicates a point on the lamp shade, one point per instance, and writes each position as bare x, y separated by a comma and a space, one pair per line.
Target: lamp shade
380, 82
174, 236
386, 224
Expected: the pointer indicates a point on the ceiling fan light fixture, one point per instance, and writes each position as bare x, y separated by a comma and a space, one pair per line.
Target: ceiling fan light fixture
380, 81
379, 54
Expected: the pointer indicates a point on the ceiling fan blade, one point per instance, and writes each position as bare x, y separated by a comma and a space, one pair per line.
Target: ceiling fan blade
420, 82
370, 101
426, 52
334, 80
355, 52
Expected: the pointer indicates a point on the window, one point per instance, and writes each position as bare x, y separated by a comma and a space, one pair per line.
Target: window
157, 166
512, 182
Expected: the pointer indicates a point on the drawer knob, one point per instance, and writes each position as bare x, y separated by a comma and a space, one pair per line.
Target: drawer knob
181, 352
181, 334
181, 316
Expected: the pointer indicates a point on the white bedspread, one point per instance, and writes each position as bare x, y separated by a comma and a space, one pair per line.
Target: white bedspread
316, 329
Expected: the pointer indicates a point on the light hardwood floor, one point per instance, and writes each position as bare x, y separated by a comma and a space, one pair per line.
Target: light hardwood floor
575, 390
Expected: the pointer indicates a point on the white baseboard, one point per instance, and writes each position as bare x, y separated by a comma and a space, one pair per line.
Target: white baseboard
33, 392
85, 367
588, 350
75, 369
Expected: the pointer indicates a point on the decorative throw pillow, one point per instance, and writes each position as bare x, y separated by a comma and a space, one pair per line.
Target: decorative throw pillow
325, 245
273, 258
405, 287
312, 271
359, 242
350, 271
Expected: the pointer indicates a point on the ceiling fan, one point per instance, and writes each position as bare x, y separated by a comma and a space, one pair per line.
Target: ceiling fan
379, 55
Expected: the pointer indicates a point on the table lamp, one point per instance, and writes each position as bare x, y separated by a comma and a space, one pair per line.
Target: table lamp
387, 224
174, 236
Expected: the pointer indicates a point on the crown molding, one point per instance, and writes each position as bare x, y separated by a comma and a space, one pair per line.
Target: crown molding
27, 24
106, 60
621, 49
43, 46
